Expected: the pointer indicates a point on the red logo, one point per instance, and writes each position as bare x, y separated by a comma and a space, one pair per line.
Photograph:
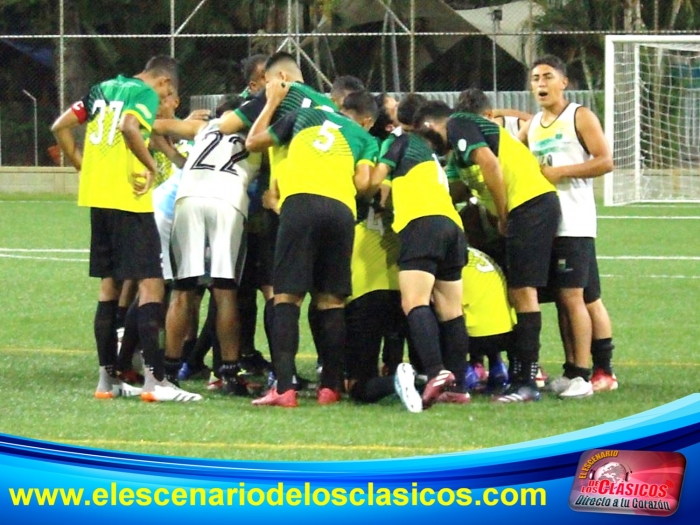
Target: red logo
628, 482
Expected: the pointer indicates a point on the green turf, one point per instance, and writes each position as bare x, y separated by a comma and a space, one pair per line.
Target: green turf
48, 364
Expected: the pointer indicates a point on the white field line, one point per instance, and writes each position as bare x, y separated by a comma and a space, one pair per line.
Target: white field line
648, 258
651, 217
44, 250
652, 276
34, 258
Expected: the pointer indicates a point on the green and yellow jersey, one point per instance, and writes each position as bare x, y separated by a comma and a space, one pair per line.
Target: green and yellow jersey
324, 149
485, 297
108, 164
375, 256
299, 96
523, 179
418, 182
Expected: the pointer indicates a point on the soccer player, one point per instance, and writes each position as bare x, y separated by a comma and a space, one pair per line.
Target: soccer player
373, 312
569, 142
432, 255
528, 212
117, 173
328, 163
211, 208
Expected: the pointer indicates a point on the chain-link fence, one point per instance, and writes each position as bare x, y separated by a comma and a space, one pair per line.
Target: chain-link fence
51, 51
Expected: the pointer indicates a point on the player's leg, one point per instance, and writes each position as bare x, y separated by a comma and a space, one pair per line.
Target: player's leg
530, 234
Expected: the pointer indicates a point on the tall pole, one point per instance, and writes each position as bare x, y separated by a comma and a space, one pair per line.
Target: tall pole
61, 57
412, 52
172, 28
36, 127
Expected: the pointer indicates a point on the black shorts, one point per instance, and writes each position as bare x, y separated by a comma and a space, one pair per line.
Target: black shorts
433, 244
491, 345
314, 246
530, 233
570, 263
124, 245
368, 319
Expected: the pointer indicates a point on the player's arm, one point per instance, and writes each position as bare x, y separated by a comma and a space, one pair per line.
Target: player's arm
503, 112
390, 154
523, 131
363, 167
259, 137
493, 177
130, 128
164, 145
62, 129
183, 129
591, 134
459, 192
271, 197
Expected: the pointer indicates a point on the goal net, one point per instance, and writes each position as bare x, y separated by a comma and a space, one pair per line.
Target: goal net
652, 118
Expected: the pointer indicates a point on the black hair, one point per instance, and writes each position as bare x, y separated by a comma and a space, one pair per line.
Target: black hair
362, 103
383, 119
228, 103
278, 58
473, 100
434, 109
163, 65
552, 61
408, 106
346, 84
251, 63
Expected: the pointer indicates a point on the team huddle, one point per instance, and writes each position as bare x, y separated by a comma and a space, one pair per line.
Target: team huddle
411, 224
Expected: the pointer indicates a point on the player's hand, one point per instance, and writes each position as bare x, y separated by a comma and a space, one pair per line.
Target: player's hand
199, 114
142, 182
550, 173
271, 201
276, 90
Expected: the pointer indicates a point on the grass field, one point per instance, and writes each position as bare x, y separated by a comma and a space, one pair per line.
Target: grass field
649, 260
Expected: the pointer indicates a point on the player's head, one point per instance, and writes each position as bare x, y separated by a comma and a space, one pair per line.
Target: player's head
386, 121
228, 103
169, 104
343, 86
283, 66
406, 110
548, 80
254, 73
430, 121
160, 73
361, 107
474, 100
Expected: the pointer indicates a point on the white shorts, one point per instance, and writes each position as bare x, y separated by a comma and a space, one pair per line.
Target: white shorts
200, 222
165, 226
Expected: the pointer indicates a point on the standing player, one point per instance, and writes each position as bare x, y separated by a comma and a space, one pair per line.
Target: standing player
528, 212
431, 258
117, 174
211, 208
572, 149
329, 160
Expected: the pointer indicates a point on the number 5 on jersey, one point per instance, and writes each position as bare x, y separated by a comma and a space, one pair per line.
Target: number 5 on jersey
326, 136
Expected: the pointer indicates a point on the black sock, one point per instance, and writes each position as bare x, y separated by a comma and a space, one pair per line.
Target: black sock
331, 344
569, 370
425, 334
130, 339
171, 367
372, 390
316, 326
392, 351
121, 315
602, 351
526, 343
285, 334
248, 316
455, 346
204, 341
152, 336
577, 371
106, 335
187, 349
268, 321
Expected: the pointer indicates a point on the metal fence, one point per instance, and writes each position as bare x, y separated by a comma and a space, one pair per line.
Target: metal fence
51, 51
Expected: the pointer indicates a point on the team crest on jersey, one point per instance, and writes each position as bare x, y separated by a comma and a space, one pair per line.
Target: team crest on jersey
462, 145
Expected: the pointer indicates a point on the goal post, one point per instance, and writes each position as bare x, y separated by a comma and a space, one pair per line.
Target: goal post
652, 118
